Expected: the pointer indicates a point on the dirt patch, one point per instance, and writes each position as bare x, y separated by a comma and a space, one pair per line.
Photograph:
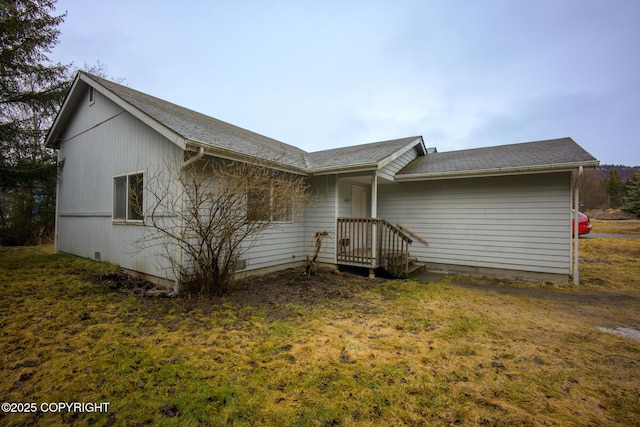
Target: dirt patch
122, 282
280, 293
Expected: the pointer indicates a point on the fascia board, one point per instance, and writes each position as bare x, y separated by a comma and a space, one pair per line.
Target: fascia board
367, 167
61, 117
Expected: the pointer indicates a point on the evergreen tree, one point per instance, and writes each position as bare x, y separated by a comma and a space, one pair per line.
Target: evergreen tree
615, 188
633, 196
31, 91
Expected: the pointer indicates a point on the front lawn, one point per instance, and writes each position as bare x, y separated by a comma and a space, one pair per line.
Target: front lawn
334, 349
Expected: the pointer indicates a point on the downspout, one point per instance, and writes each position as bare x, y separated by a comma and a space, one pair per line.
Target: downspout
576, 220
56, 226
191, 160
376, 227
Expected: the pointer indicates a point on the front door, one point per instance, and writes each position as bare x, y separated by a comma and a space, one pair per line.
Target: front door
358, 202
360, 231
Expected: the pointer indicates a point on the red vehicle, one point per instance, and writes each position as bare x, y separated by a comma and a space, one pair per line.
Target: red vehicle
584, 225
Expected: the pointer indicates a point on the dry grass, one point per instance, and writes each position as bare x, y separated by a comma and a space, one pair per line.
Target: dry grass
457, 351
616, 227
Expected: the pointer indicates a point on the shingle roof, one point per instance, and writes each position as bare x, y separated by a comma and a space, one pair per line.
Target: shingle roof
538, 155
206, 130
358, 154
209, 132
215, 133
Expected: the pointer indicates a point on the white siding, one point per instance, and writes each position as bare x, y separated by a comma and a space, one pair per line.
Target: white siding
515, 223
100, 142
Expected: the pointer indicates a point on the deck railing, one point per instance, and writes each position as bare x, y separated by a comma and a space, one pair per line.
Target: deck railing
373, 243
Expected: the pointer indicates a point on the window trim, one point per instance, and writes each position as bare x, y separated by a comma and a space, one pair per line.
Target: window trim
92, 95
126, 219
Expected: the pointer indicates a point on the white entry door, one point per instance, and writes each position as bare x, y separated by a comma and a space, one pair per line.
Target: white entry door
359, 232
358, 202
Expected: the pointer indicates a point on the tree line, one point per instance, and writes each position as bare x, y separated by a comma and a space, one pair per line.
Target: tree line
606, 188
32, 90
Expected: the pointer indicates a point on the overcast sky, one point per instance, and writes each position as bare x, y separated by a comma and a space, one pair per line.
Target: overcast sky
325, 74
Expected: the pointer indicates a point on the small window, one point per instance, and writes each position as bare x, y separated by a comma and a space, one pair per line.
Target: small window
92, 96
128, 199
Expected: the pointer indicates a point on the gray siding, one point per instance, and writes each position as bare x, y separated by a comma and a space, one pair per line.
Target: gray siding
101, 142
389, 171
321, 216
515, 223
281, 244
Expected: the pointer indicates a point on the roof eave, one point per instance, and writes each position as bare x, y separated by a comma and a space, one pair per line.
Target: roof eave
245, 158
52, 139
360, 167
481, 173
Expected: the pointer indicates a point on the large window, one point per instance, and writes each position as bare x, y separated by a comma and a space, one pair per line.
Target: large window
128, 197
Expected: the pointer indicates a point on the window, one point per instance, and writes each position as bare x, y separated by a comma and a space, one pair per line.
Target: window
281, 205
269, 205
92, 96
258, 206
128, 197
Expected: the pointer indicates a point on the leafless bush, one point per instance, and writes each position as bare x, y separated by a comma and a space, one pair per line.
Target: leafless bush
207, 214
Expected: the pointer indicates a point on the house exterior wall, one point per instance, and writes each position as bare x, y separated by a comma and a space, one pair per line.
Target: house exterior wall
103, 141
320, 216
100, 142
514, 223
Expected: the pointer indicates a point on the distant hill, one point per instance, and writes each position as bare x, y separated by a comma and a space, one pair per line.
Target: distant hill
624, 172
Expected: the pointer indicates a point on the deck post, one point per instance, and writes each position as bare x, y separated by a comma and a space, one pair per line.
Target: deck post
574, 224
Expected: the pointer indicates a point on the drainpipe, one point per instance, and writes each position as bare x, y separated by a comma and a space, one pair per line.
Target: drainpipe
56, 227
198, 156
576, 238
194, 158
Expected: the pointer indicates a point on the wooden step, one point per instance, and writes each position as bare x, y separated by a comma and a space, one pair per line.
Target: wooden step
414, 266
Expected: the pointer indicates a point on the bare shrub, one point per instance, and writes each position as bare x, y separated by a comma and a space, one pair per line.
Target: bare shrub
206, 215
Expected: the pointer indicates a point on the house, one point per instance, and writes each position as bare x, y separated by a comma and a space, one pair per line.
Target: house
501, 210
